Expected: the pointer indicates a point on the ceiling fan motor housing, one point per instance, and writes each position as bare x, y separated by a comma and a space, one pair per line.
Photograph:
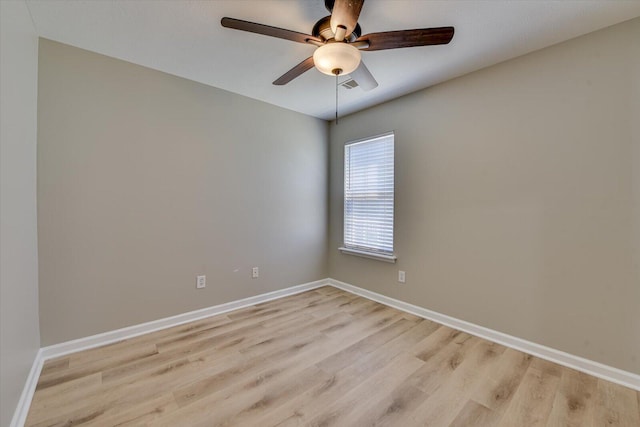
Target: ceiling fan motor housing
322, 29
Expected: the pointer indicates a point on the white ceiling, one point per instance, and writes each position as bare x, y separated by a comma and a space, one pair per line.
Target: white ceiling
185, 38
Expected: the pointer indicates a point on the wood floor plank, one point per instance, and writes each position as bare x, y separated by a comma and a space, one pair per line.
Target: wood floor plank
346, 409
439, 366
532, 402
441, 408
239, 403
99, 354
547, 367
126, 356
271, 397
46, 403
617, 405
394, 408
573, 405
474, 414
321, 357
202, 388
489, 402
55, 366
271, 340
146, 412
365, 346
432, 344
502, 381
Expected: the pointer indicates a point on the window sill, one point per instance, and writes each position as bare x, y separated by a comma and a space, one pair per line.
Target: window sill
371, 255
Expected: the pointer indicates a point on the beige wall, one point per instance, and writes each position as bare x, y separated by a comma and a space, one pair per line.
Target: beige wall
146, 180
517, 197
19, 335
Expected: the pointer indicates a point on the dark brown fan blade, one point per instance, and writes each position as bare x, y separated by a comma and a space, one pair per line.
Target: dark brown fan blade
345, 13
281, 33
407, 38
299, 69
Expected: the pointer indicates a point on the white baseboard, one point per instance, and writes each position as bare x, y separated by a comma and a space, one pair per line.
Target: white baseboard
609, 373
56, 350
98, 340
20, 414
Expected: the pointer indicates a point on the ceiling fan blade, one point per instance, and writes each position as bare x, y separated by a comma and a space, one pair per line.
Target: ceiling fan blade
345, 14
299, 69
407, 38
364, 78
267, 30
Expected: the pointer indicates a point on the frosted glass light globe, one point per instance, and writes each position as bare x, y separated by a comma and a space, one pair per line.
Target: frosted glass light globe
336, 58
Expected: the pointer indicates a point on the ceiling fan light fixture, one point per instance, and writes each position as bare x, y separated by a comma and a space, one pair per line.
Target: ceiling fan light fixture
336, 58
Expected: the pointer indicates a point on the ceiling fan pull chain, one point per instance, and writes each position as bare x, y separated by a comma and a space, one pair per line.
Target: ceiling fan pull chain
336, 98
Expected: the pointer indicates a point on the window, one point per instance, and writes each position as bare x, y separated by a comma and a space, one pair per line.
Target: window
368, 197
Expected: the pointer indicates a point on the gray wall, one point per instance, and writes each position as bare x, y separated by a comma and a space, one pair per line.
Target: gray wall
518, 197
146, 180
19, 335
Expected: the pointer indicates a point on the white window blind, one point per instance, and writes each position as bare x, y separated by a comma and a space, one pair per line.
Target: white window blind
368, 195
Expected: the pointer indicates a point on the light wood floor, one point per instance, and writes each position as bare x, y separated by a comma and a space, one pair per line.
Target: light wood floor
321, 358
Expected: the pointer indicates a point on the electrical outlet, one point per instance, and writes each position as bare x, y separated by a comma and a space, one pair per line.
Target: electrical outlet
255, 273
201, 282
401, 276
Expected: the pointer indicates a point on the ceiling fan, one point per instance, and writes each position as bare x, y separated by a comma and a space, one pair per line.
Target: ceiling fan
339, 42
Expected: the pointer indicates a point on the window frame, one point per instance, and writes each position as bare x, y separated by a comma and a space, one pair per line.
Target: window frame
373, 253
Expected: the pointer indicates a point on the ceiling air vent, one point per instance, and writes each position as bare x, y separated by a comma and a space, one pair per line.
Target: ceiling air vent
349, 84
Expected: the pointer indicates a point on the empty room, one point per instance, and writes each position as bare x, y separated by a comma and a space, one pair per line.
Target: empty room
320, 213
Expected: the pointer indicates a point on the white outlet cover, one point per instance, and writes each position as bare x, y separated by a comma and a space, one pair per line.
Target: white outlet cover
201, 282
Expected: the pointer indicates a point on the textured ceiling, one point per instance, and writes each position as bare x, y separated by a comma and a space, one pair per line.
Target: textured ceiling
185, 38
